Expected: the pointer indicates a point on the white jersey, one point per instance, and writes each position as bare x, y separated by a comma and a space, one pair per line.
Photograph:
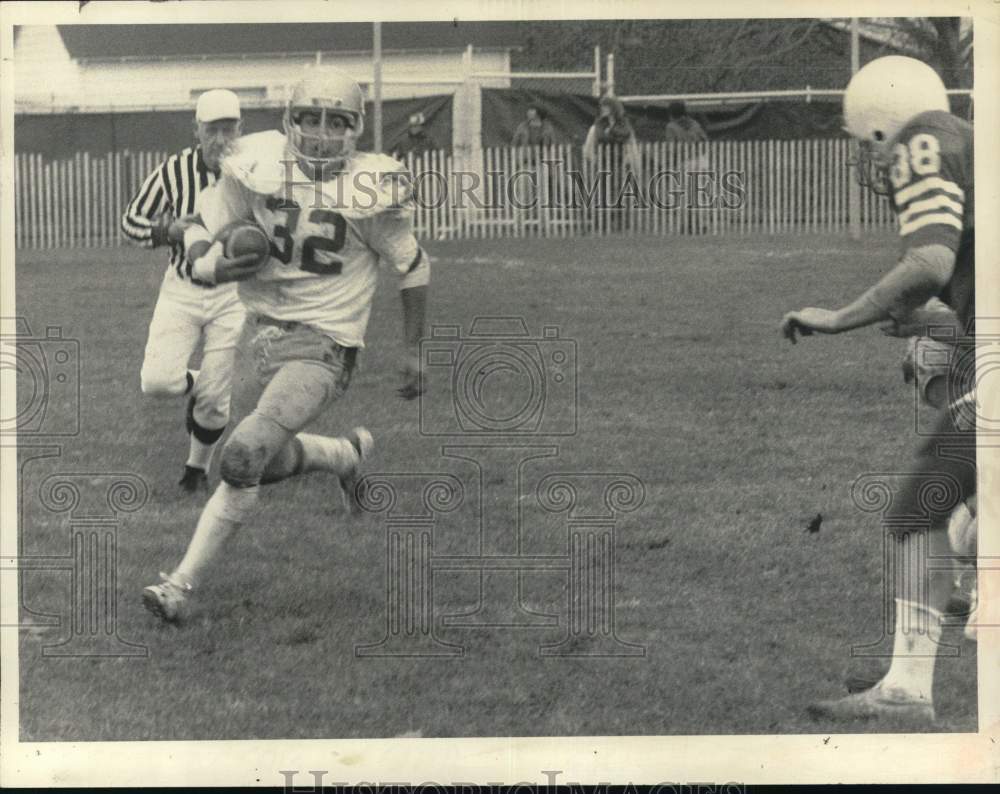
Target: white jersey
327, 239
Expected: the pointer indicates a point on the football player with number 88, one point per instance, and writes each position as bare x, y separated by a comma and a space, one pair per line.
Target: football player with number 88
910, 145
307, 304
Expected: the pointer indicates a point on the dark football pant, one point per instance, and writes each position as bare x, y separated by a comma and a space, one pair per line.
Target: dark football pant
942, 474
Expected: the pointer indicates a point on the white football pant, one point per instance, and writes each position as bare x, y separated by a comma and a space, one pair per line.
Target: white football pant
185, 315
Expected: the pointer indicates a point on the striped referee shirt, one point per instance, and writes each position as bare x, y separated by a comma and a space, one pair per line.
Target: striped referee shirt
174, 188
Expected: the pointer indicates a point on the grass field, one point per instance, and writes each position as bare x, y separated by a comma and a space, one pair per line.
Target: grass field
738, 438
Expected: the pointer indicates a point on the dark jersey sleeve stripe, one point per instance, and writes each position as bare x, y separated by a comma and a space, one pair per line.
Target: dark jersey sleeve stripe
136, 220
189, 186
174, 186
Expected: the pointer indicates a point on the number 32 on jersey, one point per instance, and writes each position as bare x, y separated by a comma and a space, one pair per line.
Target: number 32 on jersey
316, 252
919, 158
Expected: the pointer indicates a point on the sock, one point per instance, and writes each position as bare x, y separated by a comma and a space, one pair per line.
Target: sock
918, 628
202, 444
200, 454
327, 454
192, 379
225, 512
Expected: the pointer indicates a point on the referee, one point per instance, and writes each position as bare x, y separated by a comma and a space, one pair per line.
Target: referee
189, 311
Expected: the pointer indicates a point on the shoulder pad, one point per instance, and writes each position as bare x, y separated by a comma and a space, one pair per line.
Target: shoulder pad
375, 163
371, 184
951, 132
258, 162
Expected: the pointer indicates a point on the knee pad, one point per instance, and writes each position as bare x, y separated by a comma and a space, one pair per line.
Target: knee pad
198, 425
242, 465
254, 442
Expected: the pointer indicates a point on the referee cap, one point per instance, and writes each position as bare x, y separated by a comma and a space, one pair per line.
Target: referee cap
217, 104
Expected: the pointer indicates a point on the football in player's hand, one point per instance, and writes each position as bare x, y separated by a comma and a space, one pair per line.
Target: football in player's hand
247, 238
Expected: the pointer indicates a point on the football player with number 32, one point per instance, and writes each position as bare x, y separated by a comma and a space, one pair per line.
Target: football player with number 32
333, 216
897, 108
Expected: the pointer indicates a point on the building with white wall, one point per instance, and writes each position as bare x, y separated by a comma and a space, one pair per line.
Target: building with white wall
165, 67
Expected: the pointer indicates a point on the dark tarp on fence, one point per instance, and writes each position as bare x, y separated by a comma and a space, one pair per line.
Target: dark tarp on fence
572, 116
58, 135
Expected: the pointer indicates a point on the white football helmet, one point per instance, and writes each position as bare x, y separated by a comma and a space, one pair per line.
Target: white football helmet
333, 93
880, 100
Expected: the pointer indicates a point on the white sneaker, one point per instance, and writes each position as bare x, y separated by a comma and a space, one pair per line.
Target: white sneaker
363, 444
874, 703
168, 599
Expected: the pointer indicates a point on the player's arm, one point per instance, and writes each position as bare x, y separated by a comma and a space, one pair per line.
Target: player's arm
920, 275
930, 205
392, 236
414, 302
220, 208
148, 215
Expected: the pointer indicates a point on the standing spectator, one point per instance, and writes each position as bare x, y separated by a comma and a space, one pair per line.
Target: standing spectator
535, 130
416, 141
190, 311
611, 144
682, 129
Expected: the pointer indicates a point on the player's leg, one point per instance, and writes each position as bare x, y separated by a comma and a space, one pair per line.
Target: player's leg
267, 445
927, 365
173, 335
306, 452
209, 404
940, 467
265, 442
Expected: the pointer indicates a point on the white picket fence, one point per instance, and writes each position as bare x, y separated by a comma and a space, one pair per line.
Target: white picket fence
772, 187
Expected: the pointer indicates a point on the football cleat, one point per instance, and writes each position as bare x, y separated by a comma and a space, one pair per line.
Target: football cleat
874, 703
194, 480
168, 599
363, 444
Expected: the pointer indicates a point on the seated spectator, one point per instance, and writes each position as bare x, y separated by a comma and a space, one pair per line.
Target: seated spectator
416, 141
535, 130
